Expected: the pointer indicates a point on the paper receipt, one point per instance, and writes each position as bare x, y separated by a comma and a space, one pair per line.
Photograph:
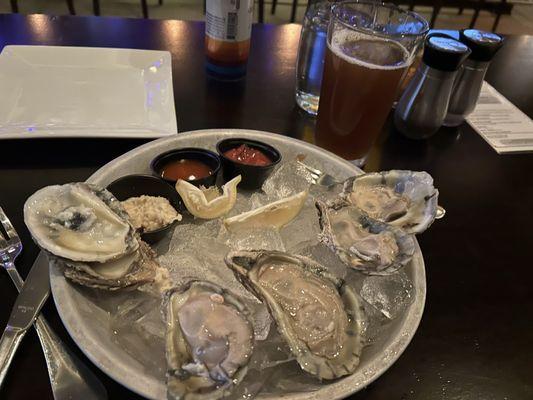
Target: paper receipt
501, 123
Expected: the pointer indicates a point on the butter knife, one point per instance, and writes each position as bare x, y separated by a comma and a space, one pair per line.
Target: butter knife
29, 302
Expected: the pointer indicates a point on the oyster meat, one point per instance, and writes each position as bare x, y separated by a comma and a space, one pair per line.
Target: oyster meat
209, 341
85, 230
405, 199
79, 222
361, 242
316, 313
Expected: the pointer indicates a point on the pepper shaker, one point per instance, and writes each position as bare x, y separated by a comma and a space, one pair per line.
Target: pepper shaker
467, 84
424, 103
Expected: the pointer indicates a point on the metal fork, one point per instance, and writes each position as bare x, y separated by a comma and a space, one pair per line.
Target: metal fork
69, 377
321, 178
318, 177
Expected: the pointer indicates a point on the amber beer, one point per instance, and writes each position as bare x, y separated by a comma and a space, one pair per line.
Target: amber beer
360, 82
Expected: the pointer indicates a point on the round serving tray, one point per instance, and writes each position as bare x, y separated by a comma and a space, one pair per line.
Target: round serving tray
89, 325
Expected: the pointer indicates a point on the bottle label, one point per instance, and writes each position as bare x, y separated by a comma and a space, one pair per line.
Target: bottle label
229, 20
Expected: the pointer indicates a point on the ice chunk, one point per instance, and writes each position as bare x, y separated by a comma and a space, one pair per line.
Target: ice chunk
289, 378
255, 239
211, 250
242, 204
304, 228
375, 324
325, 193
183, 267
325, 257
268, 355
108, 301
187, 234
290, 178
138, 328
390, 294
271, 352
355, 279
259, 199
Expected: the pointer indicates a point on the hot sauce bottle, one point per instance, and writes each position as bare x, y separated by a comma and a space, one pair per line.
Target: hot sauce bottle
228, 26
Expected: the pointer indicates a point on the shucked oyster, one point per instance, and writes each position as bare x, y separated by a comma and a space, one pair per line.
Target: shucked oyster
129, 271
361, 242
404, 199
209, 341
79, 222
315, 312
86, 230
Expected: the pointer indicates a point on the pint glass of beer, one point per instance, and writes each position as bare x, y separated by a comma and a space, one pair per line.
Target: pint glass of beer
370, 47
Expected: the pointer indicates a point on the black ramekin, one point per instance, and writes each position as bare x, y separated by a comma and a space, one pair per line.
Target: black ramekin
137, 185
252, 176
207, 157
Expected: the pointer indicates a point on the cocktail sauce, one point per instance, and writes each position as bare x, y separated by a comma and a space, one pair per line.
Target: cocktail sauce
185, 169
248, 155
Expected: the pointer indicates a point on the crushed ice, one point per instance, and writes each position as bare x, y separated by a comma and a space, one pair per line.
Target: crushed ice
196, 250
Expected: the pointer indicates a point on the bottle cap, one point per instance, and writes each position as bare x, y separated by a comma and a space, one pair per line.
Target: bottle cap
444, 53
484, 45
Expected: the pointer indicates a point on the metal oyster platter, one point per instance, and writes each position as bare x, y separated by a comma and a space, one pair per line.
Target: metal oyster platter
91, 325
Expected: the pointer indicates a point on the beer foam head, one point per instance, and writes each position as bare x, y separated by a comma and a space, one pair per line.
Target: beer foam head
368, 51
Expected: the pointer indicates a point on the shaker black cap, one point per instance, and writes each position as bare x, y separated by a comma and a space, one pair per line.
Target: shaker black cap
444, 53
484, 45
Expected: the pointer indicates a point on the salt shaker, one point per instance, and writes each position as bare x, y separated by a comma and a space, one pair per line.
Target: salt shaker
423, 105
469, 79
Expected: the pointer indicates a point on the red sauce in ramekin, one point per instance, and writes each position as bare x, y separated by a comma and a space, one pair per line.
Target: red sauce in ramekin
248, 155
185, 169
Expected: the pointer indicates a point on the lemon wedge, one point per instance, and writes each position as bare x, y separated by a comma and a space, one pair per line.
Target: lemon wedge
214, 204
273, 215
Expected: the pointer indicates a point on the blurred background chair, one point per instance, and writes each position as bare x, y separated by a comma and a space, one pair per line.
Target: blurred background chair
496, 7
294, 6
144, 7
505, 16
70, 6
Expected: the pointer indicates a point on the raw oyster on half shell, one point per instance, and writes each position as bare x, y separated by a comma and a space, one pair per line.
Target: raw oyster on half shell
79, 222
85, 229
316, 313
361, 242
405, 199
209, 341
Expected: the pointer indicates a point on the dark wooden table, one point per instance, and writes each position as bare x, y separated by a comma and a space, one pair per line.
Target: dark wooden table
475, 339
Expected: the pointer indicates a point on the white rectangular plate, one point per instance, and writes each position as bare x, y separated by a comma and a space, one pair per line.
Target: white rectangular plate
52, 91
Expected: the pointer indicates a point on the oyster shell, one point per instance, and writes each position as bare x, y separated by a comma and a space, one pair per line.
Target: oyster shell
316, 313
79, 222
129, 271
86, 231
405, 199
361, 242
209, 341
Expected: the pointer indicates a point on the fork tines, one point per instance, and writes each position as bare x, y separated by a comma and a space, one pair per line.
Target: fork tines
6, 224
315, 173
